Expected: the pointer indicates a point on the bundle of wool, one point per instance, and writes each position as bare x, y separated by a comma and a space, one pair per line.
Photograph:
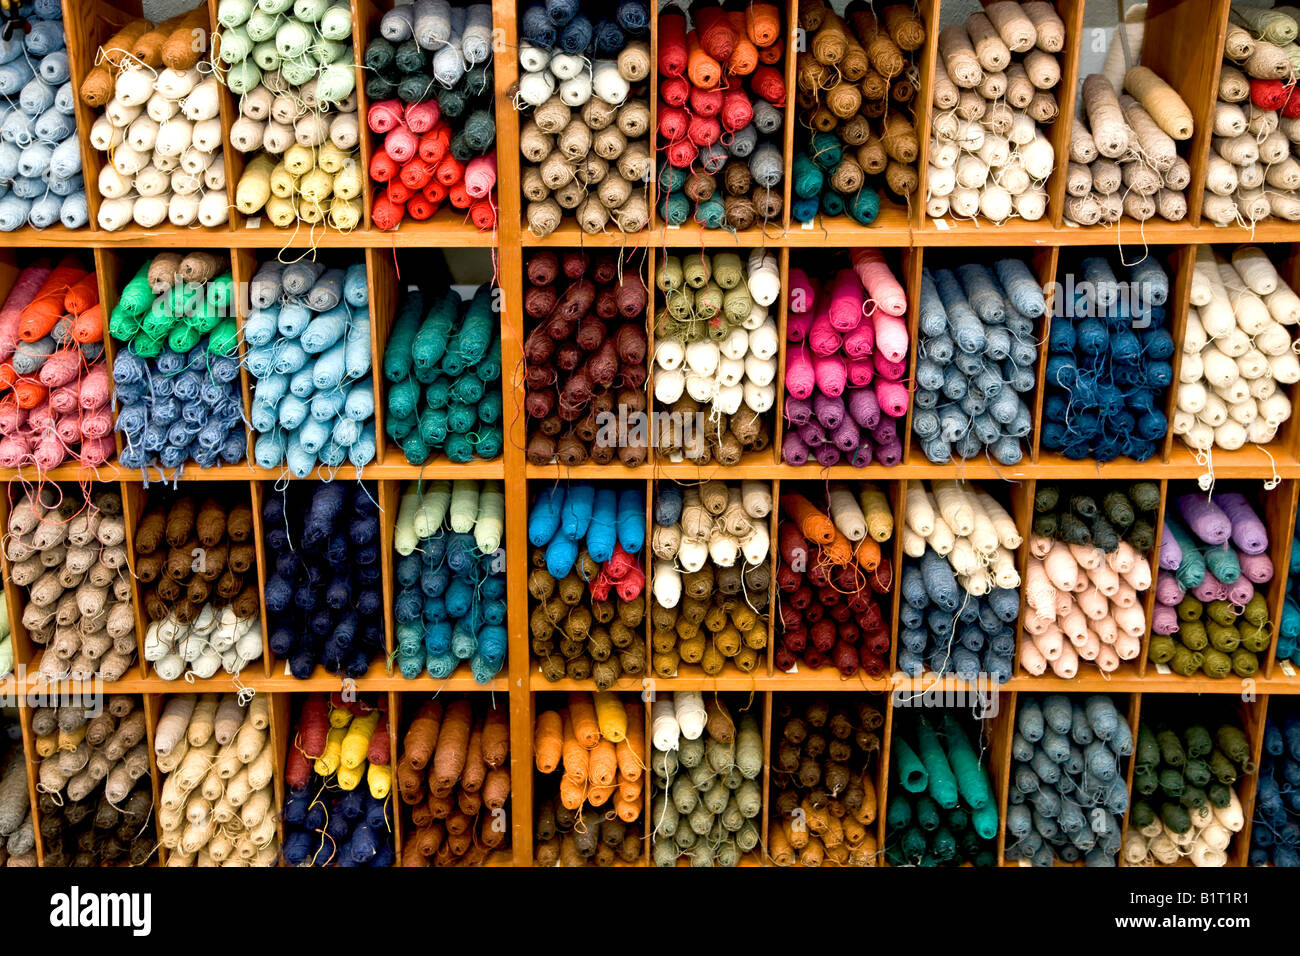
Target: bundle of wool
94, 798
1253, 172
1068, 793
6, 640
454, 775
451, 579
1094, 547
295, 77
17, 829
846, 361
1185, 801
597, 746
1211, 611
856, 88
960, 586
54, 384
585, 359
825, 761
834, 577
176, 372
66, 549
323, 587
942, 810
194, 559
1273, 833
721, 111
1124, 158
995, 105
160, 126
587, 582
711, 578
431, 92
1238, 356
1108, 365
715, 356
707, 794
329, 818
976, 356
217, 802
41, 181
444, 374
583, 91
308, 339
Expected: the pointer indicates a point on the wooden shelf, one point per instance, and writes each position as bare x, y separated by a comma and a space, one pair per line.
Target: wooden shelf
911, 242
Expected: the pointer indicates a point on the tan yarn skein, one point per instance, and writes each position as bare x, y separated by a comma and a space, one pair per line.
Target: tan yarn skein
1160, 100
1105, 119
959, 57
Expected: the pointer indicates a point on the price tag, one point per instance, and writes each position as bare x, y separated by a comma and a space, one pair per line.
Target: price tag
288, 672
809, 224
1287, 668
942, 224
254, 223
1163, 669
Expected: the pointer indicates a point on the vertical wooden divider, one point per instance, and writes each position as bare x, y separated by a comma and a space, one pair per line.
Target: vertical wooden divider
1149, 599
1046, 266
929, 11
243, 266
394, 750
381, 281
1252, 713
133, 504
1182, 262
774, 593
1279, 508
229, 112
1071, 13
899, 499
282, 738
365, 23
390, 497
789, 55
912, 269
152, 704
1134, 721
1002, 728
766, 811
109, 276
510, 279
29, 747
882, 791
256, 490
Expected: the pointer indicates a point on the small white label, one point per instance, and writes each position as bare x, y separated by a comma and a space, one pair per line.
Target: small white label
254, 223
412, 288
1163, 669
674, 225
1287, 668
942, 224
809, 224
794, 669
288, 671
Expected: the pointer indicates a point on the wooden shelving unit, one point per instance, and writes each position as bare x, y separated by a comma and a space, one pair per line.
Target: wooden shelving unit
1183, 42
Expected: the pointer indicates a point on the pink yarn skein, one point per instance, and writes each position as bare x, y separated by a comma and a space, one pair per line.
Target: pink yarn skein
800, 376
823, 338
20, 296
481, 175
384, 116
847, 301
421, 117
832, 375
